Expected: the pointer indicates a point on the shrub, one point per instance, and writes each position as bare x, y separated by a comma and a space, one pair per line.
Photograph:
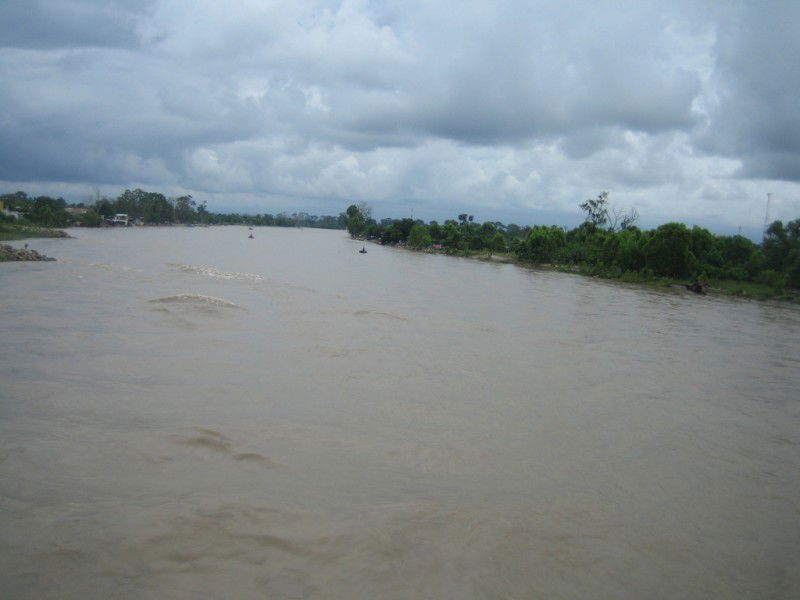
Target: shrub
774, 279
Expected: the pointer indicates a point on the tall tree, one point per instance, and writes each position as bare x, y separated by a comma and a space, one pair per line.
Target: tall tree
596, 210
667, 252
419, 237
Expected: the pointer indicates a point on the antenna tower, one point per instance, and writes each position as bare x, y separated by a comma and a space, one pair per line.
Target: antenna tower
766, 217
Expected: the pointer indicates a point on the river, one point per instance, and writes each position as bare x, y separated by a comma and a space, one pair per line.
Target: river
190, 413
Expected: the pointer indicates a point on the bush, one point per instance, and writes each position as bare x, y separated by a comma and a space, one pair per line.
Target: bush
543, 244
736, 273
92, 219
419, 237
774, 279
667, 251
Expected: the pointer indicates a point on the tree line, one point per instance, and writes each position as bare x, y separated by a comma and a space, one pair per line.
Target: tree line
607, 243
148, 208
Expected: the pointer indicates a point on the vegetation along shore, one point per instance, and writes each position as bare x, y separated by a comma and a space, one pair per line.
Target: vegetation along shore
606, 244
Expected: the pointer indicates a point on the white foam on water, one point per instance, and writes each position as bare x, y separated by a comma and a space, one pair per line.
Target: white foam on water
197, 299
216, 273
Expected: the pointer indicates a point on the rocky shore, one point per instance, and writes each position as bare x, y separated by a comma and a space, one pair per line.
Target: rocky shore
8, 253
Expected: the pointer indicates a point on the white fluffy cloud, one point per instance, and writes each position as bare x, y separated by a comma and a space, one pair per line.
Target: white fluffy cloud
505, 109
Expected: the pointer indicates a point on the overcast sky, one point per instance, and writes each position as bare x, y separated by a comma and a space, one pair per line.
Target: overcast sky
511, 111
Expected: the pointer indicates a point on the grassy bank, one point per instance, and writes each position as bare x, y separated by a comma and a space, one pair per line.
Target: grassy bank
23, 232
721, 287
757, 291
714, 287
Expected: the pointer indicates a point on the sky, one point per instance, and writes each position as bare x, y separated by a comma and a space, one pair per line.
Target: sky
516, 111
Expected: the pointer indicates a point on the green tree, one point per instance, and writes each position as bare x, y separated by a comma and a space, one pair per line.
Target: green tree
792, 268
735, 249
358, 217
17, 201
185, 209
498, 242
782, 249
543, 243
419, 237
704, 245
50, 212
596, 210
667, 253
486, 234
586, 244
436, 231
630, 254
43, 215
104, 208
92, 219
452, 237
283, 220
392, 231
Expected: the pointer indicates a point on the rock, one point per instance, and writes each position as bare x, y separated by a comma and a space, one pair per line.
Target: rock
8, 253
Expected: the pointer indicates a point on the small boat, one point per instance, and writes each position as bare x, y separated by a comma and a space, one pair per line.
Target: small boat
363, 250
250, 236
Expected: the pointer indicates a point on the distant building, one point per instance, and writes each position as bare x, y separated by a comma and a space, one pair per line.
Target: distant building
120, 219
8, 212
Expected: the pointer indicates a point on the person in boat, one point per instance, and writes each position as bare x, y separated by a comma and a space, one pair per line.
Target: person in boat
363, 250
250, 236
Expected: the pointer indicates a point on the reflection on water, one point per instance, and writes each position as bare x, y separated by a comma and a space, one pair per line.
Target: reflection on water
188, 413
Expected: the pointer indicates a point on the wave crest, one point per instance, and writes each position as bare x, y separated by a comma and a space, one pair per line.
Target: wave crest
216, 273
196, 299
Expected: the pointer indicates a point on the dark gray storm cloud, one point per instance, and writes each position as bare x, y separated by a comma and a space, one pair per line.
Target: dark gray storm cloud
758, 71
682, 109
517, 71
71, 23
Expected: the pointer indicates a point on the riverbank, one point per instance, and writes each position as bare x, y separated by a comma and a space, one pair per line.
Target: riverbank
24, 232
9, 253
719, 287
705, 286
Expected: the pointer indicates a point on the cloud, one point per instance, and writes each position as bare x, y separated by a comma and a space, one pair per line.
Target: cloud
755, 116
490, 106
71, 23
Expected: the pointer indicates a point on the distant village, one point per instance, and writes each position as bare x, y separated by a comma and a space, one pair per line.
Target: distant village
139, 207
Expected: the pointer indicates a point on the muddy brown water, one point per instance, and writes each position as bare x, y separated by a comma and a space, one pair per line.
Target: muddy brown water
189, 413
